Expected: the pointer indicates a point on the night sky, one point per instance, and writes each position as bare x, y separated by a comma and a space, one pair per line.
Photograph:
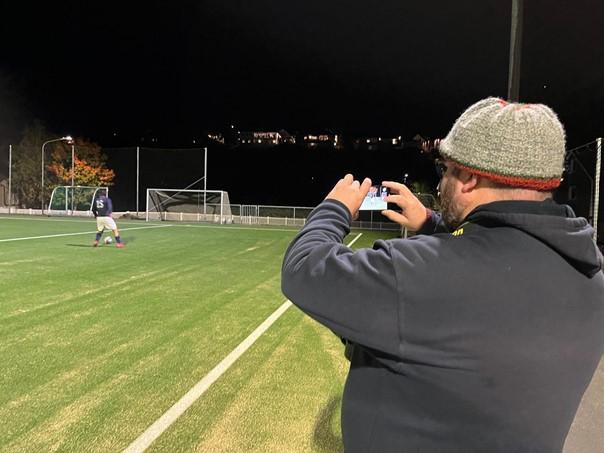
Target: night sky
118, 71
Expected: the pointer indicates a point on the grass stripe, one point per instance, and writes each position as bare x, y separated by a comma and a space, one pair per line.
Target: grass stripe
77, 234
171, 415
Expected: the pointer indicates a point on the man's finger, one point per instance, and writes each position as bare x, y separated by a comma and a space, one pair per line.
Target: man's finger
395, 217
399, 200
365, 186
395, 187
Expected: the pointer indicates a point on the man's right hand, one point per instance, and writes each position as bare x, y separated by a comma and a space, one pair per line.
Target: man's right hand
351, 193
414, 213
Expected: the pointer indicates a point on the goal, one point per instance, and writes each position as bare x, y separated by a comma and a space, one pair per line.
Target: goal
188, 205
72, 200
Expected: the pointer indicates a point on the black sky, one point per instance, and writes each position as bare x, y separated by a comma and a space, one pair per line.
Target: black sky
174, 69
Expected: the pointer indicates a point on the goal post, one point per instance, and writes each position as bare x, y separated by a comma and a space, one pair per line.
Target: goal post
188, 205
73, 200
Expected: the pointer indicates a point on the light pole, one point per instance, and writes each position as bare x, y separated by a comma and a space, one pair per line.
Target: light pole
72, 164
67, 138
515, 50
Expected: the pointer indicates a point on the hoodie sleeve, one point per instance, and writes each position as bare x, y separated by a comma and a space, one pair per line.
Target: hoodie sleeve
354, 293
433, 225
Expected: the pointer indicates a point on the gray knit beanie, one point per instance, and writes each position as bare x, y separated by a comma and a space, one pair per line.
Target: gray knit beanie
519, 145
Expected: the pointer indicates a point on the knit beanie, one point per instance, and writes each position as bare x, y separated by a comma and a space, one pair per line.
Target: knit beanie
520, 145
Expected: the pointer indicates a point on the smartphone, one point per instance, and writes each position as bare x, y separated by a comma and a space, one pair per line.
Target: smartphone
375, 199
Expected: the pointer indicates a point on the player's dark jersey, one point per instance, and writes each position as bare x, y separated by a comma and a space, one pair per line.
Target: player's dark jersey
102, 206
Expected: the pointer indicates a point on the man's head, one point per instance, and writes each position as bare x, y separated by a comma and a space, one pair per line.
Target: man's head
500, 151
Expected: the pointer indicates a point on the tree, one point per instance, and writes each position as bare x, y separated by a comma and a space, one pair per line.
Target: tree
27, 162
89, 166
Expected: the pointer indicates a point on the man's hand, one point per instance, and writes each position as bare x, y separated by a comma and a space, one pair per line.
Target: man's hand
414, 213
350, 192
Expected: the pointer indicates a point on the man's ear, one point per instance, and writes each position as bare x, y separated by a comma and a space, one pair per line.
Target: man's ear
469, 181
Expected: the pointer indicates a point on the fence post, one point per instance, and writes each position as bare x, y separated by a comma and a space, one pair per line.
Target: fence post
10, 167
597, 194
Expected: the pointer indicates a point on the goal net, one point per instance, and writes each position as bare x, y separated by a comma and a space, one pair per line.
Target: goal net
188, 205
72, 200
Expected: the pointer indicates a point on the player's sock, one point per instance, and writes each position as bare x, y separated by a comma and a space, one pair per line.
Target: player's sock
98, 236
118, 239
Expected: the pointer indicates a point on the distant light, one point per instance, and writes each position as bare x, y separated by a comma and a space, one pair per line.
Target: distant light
367, 140
194, 141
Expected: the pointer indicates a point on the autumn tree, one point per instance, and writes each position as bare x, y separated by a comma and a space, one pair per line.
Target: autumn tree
89, 165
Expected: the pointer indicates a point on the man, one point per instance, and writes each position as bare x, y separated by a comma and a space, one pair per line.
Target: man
482, 339
102, 208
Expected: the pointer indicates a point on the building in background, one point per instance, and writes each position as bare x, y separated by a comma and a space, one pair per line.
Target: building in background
377, 143
265, 139
326, 140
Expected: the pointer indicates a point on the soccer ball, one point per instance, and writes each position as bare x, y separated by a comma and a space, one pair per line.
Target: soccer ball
108, 240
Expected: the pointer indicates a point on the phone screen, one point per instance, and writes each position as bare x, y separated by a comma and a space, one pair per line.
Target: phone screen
375, 199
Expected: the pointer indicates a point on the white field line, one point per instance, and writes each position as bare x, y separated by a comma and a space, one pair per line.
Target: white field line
355, 239
142, 442
73, 220
76, 234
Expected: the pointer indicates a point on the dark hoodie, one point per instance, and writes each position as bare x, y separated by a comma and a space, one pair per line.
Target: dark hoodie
480, 340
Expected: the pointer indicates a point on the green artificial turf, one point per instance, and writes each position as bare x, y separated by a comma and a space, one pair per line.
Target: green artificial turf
97, 343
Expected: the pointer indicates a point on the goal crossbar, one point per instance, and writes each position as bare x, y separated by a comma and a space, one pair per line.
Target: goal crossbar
188, 205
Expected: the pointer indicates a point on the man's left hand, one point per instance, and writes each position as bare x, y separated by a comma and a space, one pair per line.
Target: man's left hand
349, 192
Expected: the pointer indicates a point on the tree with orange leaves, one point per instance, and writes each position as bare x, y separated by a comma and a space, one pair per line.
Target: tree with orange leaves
89, 165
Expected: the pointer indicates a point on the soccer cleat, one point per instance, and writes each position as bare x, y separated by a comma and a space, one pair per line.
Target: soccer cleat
119, 245
95, 244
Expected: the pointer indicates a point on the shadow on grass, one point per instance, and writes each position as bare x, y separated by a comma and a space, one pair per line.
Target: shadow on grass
129, 241
324, 439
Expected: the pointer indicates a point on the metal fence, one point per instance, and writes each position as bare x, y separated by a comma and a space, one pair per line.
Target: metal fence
260, 215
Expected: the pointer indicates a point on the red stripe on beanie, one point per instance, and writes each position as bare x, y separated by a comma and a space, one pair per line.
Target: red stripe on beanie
515, 181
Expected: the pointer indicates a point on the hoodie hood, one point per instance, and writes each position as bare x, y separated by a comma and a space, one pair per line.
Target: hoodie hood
553, 224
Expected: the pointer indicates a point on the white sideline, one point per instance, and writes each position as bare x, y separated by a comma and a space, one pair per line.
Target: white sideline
142, 442
76, 234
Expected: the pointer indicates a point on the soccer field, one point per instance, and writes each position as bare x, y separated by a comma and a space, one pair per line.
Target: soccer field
96, 344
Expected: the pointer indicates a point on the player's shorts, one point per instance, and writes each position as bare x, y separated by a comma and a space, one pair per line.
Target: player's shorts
105, 223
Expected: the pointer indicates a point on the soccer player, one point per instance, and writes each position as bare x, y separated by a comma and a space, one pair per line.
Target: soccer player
102, 208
